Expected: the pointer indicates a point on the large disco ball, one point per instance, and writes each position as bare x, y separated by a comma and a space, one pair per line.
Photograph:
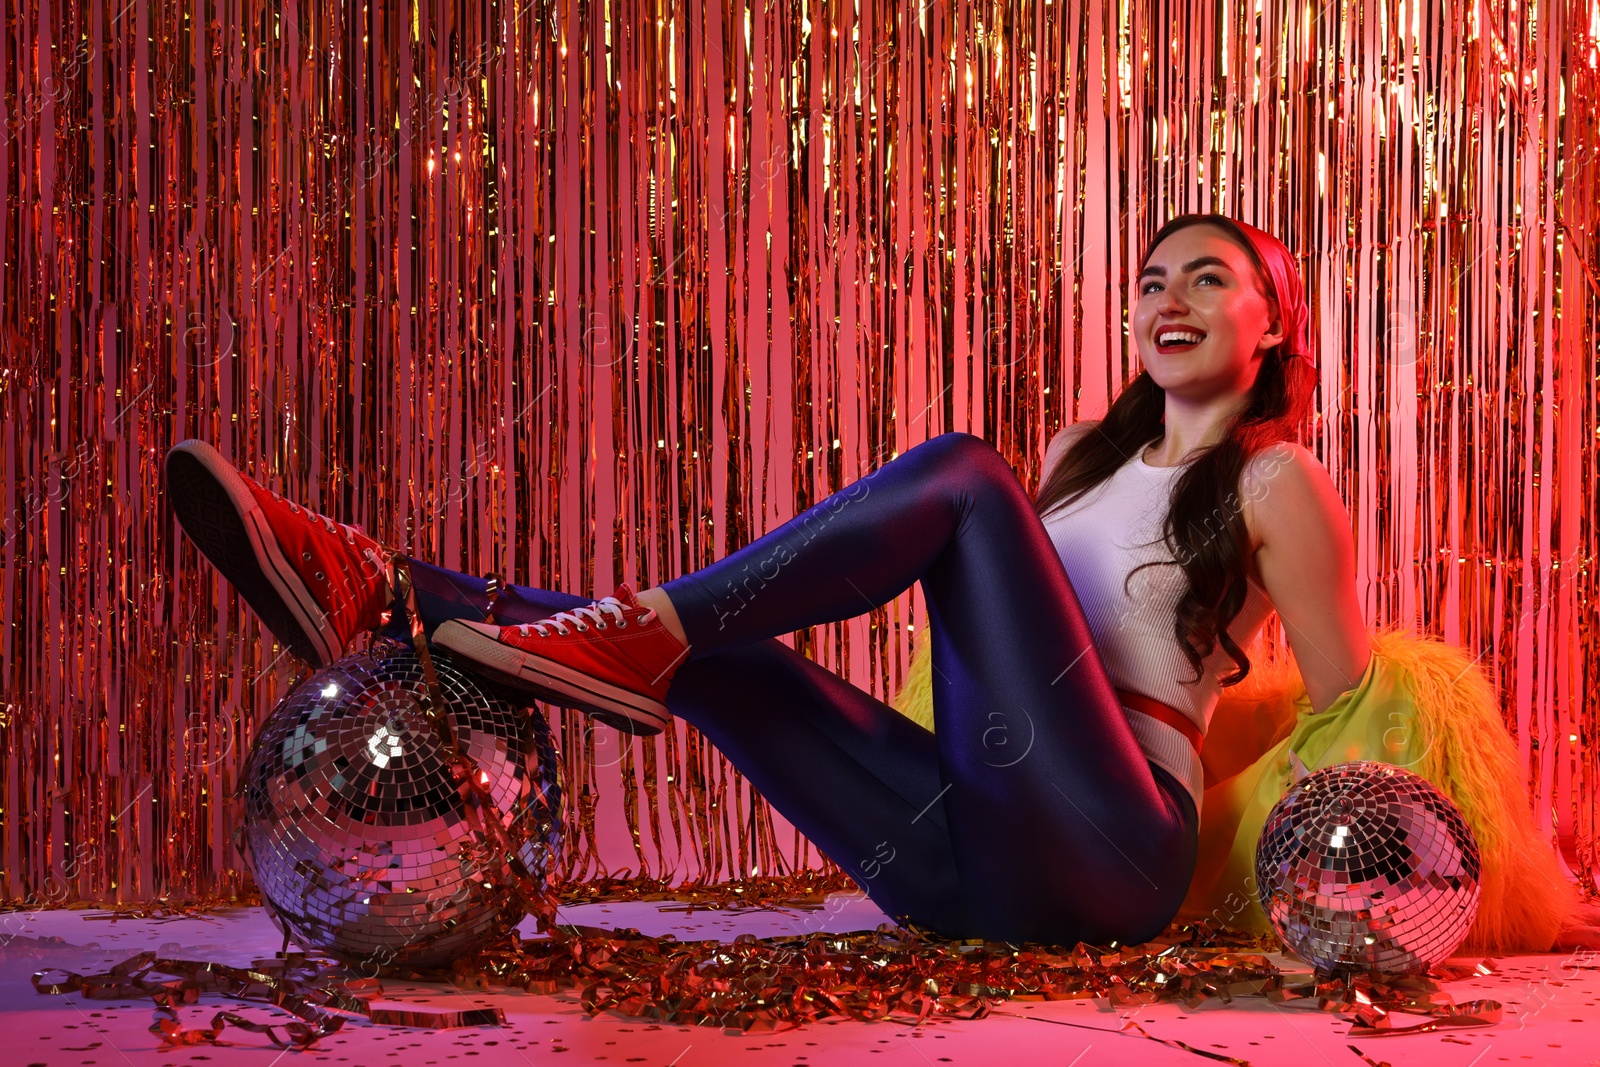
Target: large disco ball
1365, 867
356, 830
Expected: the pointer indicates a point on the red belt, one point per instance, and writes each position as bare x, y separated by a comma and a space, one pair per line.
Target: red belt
1165, 712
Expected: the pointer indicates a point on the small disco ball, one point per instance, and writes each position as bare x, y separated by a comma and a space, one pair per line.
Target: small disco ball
1366, 867
356, 830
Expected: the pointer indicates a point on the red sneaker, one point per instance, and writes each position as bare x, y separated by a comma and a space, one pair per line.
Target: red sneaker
619, 676
316, 583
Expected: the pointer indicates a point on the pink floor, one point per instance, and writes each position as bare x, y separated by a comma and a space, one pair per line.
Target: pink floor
1547, 1000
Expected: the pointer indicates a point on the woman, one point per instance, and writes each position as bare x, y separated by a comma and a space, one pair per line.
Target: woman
1057, 799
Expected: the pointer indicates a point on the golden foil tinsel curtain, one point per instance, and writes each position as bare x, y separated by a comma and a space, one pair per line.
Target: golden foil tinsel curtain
577, 293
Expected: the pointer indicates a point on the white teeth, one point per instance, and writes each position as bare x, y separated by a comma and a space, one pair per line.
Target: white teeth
1176, 336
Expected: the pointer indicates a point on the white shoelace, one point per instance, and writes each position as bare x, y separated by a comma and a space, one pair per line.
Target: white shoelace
350, 530
576, 617
375, 556
335, 527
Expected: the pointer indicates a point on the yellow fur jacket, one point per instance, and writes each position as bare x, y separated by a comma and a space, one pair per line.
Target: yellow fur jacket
1422, 705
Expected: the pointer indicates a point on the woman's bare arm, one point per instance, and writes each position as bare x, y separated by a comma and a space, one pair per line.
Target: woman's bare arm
1306, 559
1060, 443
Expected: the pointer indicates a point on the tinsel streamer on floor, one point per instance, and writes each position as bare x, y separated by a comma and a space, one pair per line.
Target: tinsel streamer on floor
779, 983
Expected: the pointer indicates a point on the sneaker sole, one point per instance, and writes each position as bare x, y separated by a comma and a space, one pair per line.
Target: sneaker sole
220, 515
626, 710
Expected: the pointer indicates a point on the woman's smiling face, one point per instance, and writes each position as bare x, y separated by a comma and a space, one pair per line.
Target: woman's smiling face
1198, 281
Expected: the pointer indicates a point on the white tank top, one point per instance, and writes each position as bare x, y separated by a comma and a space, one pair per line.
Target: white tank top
1101, 537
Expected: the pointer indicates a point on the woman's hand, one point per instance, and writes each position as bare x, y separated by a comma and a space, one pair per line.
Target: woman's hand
1580, 930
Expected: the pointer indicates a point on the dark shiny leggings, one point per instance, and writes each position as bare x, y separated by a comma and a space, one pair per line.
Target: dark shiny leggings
1030, 813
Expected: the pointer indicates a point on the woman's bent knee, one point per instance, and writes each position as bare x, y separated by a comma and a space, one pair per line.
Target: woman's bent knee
974, 468
967, 448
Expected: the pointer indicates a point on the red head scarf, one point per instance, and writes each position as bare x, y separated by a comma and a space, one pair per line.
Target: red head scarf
1284, 287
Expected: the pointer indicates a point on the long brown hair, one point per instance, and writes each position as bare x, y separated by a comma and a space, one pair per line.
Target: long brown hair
1205, 525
